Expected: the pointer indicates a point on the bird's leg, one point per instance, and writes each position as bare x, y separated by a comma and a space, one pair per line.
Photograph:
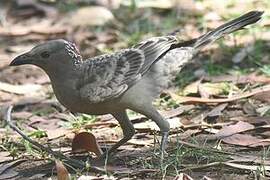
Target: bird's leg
151, 113
127, 128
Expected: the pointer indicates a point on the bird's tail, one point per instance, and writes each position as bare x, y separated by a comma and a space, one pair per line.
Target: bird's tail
227, 28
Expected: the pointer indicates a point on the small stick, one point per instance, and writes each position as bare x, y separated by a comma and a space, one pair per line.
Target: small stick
57, 155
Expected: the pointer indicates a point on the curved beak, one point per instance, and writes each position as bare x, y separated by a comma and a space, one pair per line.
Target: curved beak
22, 59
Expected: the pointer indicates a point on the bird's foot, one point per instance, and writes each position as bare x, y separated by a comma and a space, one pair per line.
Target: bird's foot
163, 145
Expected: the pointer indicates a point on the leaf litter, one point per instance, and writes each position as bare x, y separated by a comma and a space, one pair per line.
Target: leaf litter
213, 102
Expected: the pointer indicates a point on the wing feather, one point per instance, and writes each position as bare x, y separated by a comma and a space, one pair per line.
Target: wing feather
108, 76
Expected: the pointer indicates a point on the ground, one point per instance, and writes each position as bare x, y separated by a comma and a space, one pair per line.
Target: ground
218, 110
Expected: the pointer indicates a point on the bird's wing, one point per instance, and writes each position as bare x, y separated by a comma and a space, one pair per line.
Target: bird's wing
108, 76
155, 48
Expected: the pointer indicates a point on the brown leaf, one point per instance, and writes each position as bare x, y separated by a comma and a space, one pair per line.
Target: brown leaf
86, 141
234, 129
177, 111
62, 172
252, 120
183, 176
246, 140
217, 111
263, 96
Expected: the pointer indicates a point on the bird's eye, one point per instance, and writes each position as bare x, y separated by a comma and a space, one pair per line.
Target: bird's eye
45, 54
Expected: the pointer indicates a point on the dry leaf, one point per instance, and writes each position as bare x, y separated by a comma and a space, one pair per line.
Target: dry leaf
203, 92
234, 129
246, 140
177, 111
86, 141
238, 79
217, 111
91, 16
246, 167
149, 126
183, 176
216, 88
263, 96
62, 172
192, 88
56, 133
19, 89
186, 99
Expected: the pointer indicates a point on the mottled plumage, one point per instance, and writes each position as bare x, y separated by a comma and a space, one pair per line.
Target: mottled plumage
128, 79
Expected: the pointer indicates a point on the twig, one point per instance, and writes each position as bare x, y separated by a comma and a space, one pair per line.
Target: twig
221, 100
57, 155
203, 166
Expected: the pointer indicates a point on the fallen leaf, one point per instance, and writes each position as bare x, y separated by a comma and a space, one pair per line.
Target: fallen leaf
186, 134
238, 79
217, 88
252, 120
246, 140
234, 129
149, 126
91, 16
186, 99
246, 167
6, 166
56, 133
22, 115
217, 111
9, 174
249, 109
207, 89
183, 176
86, 141
203, 92
263, 96
146, 126
62, 172
5, 156
177, 111
19, 89
192, 88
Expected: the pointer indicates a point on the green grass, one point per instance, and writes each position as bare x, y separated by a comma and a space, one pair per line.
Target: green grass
78, 122
178, 158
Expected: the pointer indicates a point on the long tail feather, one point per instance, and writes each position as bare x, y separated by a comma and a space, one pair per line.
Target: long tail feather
227, 28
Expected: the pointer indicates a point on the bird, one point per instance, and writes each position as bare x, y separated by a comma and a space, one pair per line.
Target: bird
130, 78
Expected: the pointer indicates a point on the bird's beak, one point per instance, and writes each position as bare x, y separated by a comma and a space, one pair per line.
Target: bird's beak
25, 58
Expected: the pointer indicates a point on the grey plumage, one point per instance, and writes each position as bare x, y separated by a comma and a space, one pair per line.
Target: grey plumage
128, 79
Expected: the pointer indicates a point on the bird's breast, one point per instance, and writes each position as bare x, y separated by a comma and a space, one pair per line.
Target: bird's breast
69, 96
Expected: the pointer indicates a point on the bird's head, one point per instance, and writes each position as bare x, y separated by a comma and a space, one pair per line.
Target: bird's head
50, 54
